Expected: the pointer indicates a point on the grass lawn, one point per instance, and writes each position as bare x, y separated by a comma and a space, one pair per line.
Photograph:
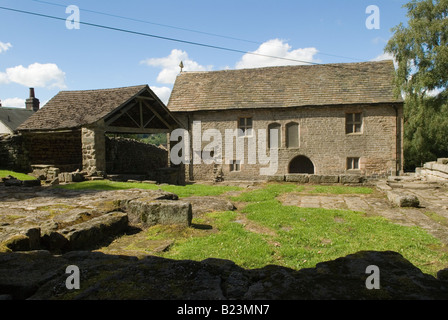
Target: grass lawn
266, 232
17, 175
341, 190
181, 191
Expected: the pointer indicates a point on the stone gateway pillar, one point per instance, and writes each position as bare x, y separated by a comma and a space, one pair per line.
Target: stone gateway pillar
93, 151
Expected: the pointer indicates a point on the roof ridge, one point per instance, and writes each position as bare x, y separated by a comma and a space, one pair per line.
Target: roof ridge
336, 64
106, 89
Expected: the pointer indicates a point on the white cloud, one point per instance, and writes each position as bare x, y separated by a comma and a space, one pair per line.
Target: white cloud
163, 93
386, 56
264, 55
170, 65
14, 102
4, 46
35, 75
3, 78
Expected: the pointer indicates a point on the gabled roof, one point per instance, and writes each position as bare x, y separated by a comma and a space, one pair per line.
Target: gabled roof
74, 109
14, 117
288, 86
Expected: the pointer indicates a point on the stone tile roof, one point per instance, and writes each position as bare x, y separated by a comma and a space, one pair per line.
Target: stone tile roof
14, 117
74, 109
288, 86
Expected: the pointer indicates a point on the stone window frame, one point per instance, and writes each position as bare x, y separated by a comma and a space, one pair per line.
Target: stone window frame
247, 129
235, 166
279, 127
287, 136
353, 125
353, 163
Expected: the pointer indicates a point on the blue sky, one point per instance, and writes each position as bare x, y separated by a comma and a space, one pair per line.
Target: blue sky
43, 53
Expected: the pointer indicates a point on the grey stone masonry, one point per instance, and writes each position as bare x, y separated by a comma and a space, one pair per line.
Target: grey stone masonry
93, 150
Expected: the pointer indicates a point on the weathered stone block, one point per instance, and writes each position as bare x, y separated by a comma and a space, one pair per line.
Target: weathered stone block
209, 204
316, 179
440, 167
276, 178
299, 178
151, 212
96, 230
25, 240
53, 241
31, 183
329, 179
18, 242
403, 200
350, 179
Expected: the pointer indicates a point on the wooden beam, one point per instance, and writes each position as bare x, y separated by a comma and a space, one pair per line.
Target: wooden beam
129, 130
157, 114
120, 113
141, 113
136, 123
145, 98
153, 116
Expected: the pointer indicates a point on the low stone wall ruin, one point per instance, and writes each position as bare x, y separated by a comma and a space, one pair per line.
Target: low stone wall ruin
133, 157
13, 155
434, 170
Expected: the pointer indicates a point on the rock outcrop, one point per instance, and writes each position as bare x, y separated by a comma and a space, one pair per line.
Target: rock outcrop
96, 219
41, 275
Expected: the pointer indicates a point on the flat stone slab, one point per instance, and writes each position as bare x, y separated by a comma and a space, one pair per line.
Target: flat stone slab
152, 212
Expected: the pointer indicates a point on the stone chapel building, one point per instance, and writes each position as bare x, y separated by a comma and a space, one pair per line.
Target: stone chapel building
333, 119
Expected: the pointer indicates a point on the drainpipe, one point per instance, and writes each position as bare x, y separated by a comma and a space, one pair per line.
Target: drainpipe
398, 129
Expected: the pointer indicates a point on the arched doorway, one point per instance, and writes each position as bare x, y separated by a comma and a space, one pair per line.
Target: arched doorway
301, 164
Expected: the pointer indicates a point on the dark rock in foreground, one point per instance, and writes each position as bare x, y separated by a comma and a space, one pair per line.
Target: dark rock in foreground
40, 275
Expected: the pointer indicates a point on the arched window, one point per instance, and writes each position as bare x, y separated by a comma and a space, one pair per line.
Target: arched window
278, 127
301, 164
292, 135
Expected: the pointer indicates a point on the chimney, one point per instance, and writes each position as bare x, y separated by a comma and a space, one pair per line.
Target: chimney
32, 103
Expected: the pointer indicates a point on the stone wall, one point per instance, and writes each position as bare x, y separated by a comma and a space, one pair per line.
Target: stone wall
322, 138
13, 155
59, 149
128, 156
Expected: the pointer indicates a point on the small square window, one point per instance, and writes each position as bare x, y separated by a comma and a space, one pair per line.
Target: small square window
235, 165
352, 163
353, 123
245, 124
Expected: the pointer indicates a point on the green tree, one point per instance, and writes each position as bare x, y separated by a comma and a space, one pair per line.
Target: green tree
421, 52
